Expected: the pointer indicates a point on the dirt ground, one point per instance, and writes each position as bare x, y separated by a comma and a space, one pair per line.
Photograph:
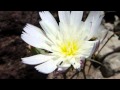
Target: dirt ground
12, 48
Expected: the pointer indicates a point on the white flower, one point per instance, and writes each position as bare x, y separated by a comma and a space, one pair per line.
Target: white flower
69, 42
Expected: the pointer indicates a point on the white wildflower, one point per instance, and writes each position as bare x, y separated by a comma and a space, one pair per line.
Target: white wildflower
69, 42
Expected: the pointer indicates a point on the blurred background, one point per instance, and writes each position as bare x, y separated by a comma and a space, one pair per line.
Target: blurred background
12, 48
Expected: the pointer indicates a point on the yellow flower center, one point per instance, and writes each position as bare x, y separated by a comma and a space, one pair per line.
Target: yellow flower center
69, 48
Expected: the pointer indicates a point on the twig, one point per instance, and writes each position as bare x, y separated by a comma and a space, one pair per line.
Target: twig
90, 67
64, 74
84, 74
105, 44
77, 72
101, 50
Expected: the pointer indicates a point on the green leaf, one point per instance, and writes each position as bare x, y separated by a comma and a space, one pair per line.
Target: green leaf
37, 51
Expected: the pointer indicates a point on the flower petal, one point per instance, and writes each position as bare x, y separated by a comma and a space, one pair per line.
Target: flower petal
95, 47
95, 28
87, 48
64, 24
76, 63
93, 17
37, 59
35, 32
63, 31
75, 19
46, 67
64, 17
35, 42
64, 66
51, 35
92, 23
49, 21
62, 69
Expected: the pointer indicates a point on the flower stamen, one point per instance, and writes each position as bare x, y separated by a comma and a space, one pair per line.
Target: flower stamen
69, 48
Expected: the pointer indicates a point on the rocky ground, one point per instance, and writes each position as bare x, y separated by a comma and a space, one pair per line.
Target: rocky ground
12, 48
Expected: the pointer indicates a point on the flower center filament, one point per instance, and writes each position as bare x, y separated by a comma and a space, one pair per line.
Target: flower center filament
69, 48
